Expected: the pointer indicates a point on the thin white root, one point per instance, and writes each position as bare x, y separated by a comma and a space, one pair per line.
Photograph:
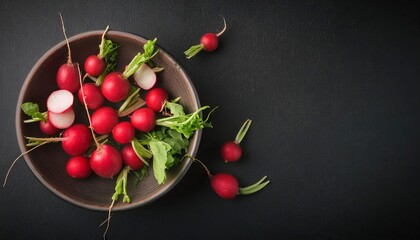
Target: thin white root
13, 163
69, 61
108, 220
224, 28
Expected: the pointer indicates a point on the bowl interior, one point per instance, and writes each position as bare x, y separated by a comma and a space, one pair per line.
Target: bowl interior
48, 162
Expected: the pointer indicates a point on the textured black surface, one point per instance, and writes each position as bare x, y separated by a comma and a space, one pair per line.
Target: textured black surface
333, 92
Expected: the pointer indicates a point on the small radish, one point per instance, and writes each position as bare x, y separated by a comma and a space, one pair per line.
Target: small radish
115, 87
62, 120
47, 128
123, 132
106, 161
60, 101
130, 157
94, 98
104, 61
76, 139
104, 119
143, 119
155, 98
94, 65
78, 167
145, 77
231, 151
67, 75
226, 186
208, 42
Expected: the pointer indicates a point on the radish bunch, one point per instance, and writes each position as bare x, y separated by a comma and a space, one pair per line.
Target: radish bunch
116, 140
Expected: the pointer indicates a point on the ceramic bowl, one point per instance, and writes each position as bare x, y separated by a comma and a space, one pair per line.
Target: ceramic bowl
48, 161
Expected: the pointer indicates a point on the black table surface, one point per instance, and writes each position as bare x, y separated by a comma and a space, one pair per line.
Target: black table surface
333, 92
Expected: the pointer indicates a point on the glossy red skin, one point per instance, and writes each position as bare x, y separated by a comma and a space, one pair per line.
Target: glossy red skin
225, 185
47, 128
77, 139
68, 77
155, 98
78, 167
123, 132
209, 41
104, 119
94, 65
231, 151
115, 87
93, 96
106, 161
143, 119
130, 158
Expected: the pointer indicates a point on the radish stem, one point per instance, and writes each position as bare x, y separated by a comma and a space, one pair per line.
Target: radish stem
101, 46
128, 100
242, 132
254, 187
202, 164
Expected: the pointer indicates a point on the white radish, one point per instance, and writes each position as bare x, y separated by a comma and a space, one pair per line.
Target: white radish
60, 101
62, 120
145, 77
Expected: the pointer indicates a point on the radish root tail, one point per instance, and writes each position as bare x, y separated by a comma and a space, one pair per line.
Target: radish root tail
108, 220
86, 108
69, 61
224, 28
14, 161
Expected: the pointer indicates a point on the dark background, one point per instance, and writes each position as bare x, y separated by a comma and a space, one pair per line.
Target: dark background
333, 92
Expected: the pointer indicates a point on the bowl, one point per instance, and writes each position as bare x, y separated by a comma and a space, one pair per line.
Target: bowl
48, 161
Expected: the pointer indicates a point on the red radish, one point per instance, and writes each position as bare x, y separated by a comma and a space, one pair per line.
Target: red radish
145, 77
115, 87
67, 75
60, 101
93, 95
94, 65
231, 151
155, 98
208, 42
78, 167
106, 161
47, 128
143, 119
76, 139
226, 186
130, 157
104, 119
123, 132
62, 120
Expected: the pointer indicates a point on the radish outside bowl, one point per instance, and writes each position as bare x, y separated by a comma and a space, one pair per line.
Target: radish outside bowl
48, 162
